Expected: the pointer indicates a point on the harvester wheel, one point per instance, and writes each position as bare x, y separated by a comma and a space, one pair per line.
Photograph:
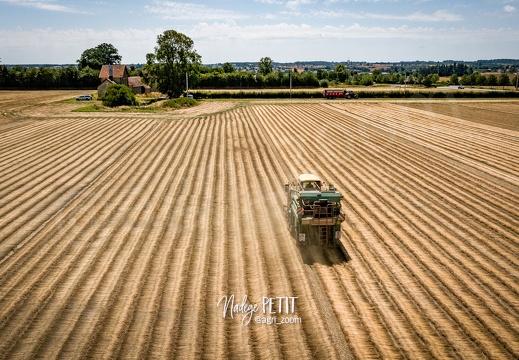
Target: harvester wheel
294, 230
296, 236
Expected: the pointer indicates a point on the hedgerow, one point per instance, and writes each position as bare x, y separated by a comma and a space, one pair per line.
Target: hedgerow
283, 94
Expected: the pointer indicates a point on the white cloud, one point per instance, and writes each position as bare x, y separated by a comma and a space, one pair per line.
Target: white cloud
171, 10
230, 41
440, 15
287, 3
286, 42
232, 31
269, 17
294, 4
44, 5
66, 46
509, 9
327, 14
270, 2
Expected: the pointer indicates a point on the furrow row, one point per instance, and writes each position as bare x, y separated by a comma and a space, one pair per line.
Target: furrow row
363, 205
368, 335
468, 200
69, 251
326, 335
456, 140
28, 206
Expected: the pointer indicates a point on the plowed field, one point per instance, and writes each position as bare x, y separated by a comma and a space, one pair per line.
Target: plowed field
123, 235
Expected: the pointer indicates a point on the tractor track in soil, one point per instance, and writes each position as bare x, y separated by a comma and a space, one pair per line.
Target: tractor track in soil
119, 235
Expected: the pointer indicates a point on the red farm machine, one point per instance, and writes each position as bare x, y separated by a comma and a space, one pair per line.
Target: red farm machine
346, 94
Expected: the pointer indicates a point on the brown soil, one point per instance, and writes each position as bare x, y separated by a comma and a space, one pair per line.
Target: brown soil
503, 114
119, 233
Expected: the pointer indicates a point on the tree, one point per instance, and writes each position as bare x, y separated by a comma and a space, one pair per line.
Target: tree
321, 74
492, 80
454, 79
44, 78
265, 65
117, 95
366, 79
467, 80
480, 79
504, 80
228, 68
88, 77
174, 57
341, 72
95, 58
323, 83
68, 77
428, 81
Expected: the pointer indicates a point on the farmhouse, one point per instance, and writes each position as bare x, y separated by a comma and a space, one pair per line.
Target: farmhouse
112, 74
116, 73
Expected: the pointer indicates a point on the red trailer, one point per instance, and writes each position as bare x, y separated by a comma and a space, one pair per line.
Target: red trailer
332, 94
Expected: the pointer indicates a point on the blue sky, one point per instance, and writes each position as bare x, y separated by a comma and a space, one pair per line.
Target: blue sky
58, 31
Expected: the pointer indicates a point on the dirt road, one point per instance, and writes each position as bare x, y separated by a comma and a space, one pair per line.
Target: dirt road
124, 235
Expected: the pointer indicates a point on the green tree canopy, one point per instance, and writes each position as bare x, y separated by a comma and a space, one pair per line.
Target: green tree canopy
174, 57
428, 81
504, 80
95, 58
342, 73
492, 80
454, 79
265, 65
480, 79
228, 68
117, 95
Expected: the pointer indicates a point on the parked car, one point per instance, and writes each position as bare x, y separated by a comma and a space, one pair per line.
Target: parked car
84, 97
461, 87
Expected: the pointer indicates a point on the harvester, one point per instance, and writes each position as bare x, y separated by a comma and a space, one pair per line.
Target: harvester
314, 211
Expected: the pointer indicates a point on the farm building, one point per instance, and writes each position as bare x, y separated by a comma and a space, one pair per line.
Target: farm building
102, 88
137, 86
116, 73
112, 74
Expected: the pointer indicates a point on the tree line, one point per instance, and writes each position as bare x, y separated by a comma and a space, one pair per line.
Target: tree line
19, 77
83, 76
174, 58
224, 77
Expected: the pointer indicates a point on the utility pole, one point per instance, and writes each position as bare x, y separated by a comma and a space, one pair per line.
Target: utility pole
187, 85
291, 83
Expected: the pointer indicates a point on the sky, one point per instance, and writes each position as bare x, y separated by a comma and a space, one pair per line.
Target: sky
58, 31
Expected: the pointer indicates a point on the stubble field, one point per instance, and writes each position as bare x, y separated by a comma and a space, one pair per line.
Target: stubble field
122, 234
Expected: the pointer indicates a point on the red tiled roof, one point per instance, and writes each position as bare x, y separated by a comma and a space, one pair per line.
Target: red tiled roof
118, 71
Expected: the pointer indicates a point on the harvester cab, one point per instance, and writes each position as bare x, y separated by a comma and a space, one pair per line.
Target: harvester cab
314, 212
